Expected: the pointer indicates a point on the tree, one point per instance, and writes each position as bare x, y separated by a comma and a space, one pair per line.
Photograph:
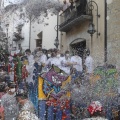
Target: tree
34, 8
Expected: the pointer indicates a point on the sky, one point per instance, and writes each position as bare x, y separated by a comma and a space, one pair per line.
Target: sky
8, 2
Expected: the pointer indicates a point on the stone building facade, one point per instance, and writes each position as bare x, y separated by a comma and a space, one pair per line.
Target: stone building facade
38, 33
97, 44
77, 33
113, 31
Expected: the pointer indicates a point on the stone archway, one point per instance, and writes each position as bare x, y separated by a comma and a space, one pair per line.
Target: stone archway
78, 44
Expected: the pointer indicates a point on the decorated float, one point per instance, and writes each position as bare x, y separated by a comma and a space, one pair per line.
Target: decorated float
53, 100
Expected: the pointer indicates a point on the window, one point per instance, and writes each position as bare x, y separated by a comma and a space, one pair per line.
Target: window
38, 42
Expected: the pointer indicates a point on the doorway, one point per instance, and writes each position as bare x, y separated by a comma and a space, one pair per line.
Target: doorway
78, 44
39, 40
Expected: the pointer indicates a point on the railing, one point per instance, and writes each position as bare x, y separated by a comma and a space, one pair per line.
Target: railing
73, 12
17, 36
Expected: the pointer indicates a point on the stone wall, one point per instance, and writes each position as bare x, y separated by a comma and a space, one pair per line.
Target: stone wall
96, 44
113, 31
47, 29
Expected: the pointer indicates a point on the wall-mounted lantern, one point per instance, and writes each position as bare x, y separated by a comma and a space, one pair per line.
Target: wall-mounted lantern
91, 29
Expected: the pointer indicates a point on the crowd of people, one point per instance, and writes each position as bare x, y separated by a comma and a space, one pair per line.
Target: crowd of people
15, 103
65, 62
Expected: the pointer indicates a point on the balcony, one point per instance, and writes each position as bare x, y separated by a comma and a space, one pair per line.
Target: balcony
17, 37
73, 16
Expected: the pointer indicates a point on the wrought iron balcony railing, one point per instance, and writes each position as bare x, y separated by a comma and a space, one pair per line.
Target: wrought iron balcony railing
74, 14
17, 37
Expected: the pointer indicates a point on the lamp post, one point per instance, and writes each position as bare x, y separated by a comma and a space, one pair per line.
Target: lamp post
56, 40
91, 29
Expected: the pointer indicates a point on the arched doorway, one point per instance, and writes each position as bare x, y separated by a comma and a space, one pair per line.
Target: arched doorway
78, 44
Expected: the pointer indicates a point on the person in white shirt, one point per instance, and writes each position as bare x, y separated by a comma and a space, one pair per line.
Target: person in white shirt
30, 57
42, 58
65, 5
89, 63
30, 66
48, 63
49, 53
77, 62
51, 61
56, 60
9, 102
66, 63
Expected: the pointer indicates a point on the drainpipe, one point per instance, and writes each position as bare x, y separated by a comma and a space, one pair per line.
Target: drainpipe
105, 40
